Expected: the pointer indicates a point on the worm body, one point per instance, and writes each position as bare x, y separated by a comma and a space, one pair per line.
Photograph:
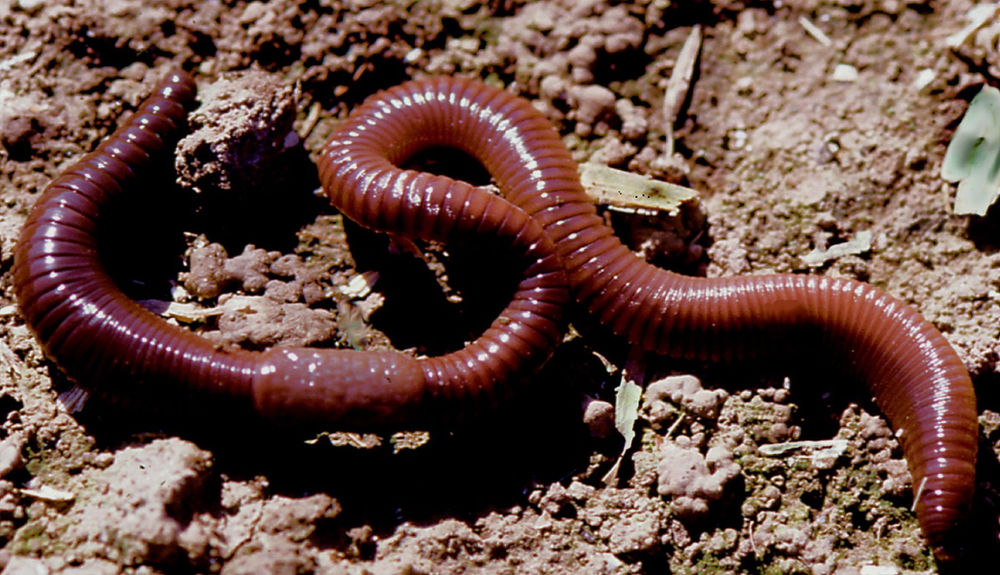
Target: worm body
86, 325
914, 374
104, 340
101, 338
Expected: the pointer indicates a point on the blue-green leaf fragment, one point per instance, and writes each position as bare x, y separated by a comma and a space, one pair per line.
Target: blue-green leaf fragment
973, 156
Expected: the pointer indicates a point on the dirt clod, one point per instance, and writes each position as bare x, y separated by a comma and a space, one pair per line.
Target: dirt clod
693, 480
238, 136
140, 503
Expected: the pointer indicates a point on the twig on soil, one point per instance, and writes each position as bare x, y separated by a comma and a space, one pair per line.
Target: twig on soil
916, 498
815, 32
674, 426
679, 86
310, 122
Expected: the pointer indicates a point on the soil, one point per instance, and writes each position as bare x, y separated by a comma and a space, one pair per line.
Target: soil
798, 141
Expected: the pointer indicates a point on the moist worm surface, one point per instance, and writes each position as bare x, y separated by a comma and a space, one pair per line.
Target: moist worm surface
914, 374
104, 340
100, 337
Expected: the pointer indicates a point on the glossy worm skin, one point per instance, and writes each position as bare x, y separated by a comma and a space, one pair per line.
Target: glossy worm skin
915, 375
104, 340
101, 338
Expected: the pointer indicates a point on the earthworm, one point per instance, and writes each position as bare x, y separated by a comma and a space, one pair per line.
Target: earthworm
99, 337
916, 377
105, 341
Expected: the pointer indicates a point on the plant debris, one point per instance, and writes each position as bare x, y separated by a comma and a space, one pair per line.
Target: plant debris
973, 156
859, 244
632, 193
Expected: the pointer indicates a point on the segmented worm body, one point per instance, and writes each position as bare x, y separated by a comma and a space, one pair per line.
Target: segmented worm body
98, 336
101, 338
914, 374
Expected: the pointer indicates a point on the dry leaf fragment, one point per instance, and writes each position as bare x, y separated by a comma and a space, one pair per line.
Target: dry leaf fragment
49, 494
859, 244
633, 193
181, 311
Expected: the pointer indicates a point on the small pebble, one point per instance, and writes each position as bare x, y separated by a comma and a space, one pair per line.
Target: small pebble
30, 6
924, 78
599, 417
10, 454
592, 102
845, 73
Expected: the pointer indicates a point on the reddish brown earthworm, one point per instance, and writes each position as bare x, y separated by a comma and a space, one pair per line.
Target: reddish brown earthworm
915, 375
100, 337
104, 340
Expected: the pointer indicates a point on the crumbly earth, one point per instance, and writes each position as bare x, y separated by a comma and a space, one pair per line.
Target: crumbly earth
796, 141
